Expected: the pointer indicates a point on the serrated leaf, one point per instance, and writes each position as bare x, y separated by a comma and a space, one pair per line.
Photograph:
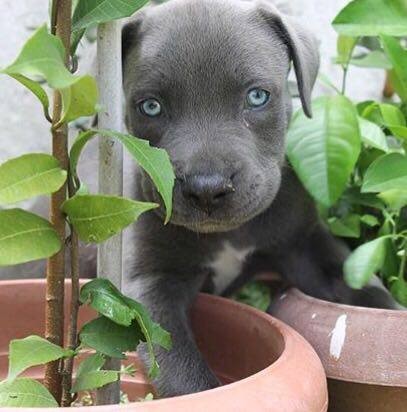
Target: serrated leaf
109, 338
388, 172
99, 217
28, 176
92, 12
323, 150
348, 226
36, 89
372, 17
31, 351
25, 237
364, 262
80, 99
25, 393
153, 160
372, 135
93, 380
398, 57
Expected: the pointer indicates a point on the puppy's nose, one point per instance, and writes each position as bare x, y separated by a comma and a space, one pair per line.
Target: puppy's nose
207, 191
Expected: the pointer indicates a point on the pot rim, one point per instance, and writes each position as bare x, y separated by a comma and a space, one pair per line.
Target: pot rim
371, 317
291, 340
350, 308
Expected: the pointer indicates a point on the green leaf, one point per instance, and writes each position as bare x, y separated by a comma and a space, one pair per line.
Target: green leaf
92, 363
90, 376
153, 333
323, 150
80, 99
25, 393
92, 12
43, 56
345, 47
372, 135
107, 300
99, 217
254, 294
25, 237
372, 17
153, 160
392, 115
399, 291
398, 57
370, 220
32, 351
36, 89
364, 262
28, 176
395, 198
109, 338
388, 172
94, 380
348, 226
375, 59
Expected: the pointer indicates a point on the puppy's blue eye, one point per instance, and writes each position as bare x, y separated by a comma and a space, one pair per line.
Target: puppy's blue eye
257, 97
150, 107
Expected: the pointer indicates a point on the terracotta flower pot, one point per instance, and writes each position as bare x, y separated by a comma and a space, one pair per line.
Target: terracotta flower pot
267, 365
364, 351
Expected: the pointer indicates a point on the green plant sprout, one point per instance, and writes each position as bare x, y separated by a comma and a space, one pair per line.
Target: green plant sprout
122, 323
351, 157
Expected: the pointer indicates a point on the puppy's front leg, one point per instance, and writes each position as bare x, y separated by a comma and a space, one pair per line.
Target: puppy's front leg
168, 299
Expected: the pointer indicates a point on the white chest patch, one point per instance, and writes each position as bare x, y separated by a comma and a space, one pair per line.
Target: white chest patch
227, 265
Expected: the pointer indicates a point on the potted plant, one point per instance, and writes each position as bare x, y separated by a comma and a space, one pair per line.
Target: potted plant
358, 178
285, 374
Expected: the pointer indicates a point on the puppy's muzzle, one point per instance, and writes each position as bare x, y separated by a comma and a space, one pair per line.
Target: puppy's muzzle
207, 192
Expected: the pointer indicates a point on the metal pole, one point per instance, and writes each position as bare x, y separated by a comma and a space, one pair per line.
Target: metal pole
110, 166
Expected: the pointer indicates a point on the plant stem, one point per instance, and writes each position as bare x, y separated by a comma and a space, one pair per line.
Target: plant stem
110, 167
73, 320
54, 311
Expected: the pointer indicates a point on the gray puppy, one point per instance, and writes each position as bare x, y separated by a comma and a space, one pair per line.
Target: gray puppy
207, 81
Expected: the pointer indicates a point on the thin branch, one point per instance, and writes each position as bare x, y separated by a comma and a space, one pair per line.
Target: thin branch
54, 311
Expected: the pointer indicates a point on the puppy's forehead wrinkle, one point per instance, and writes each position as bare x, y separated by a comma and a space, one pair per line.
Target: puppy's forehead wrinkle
214, 46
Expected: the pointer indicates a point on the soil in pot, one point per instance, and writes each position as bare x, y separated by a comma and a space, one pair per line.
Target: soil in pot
364, 351
267, 365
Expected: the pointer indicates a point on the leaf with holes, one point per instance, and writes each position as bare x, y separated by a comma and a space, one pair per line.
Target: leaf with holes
25, 237
28, 176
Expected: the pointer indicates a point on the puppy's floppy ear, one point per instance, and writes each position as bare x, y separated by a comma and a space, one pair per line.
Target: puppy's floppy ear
302, 46
129, 36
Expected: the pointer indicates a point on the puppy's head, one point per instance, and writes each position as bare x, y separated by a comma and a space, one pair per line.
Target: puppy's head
207, 81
